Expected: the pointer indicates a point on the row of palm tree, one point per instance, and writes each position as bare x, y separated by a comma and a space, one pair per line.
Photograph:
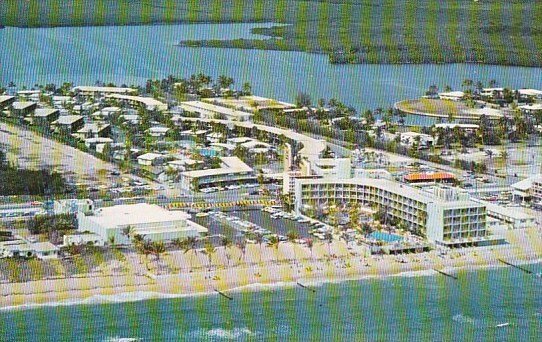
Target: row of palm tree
189, 244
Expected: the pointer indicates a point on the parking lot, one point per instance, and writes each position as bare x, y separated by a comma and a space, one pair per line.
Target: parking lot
280, 226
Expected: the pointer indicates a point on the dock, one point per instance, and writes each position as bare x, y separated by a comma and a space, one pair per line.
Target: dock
516, 266
445, 274
223, 294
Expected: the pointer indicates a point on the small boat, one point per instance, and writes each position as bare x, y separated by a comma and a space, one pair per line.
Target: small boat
501, 325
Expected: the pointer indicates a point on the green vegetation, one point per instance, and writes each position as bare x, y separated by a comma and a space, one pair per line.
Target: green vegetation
16, 181
46, 224
349, 31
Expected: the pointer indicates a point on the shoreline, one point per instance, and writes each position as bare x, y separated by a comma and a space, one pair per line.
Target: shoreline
347, 266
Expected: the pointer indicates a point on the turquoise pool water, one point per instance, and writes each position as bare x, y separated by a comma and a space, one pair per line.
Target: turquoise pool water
209, 152
385, 237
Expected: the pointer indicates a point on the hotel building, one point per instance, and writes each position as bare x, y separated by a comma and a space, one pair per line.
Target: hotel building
445, 215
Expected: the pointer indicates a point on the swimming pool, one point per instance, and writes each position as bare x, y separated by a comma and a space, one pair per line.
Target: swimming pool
209, 152
385, 237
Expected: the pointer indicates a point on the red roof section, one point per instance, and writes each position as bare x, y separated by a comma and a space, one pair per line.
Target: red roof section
429, 176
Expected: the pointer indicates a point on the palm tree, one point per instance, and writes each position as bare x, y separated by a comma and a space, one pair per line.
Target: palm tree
138, 240
292, 236
147, 248
310, 245
209, 251
329, 239
158, 248
226, 243
189, 244
259, 240
274, 242
128, 231
242, 245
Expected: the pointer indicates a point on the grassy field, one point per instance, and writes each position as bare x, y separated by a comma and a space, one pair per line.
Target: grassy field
349, 31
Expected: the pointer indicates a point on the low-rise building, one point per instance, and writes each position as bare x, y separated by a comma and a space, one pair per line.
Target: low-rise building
515, 218
68, 124
150, 159
147, 102
250, 103
452, 95
211, 111
430, 177
413, 138
81, 239
102, 91
97, 144
94, 130
20, 248
152, 222
6, 101
232, 170
158, 131
44, 117
529, 188
73, 206
45, 250
22, 109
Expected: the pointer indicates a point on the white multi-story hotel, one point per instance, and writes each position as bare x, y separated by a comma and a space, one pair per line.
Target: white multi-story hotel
445, 215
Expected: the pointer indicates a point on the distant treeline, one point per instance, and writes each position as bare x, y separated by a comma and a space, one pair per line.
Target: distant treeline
349, 31
16, 181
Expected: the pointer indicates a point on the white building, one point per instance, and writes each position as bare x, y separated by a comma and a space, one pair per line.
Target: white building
150, 159
45, 250
73, 206
211, 111
469, 128
231, 170
529, 188
515, 218
158, 131
20, 248
6, 101
446, 216
95, 91
83, 239
328, 167
148, 102
452, 95
412, 138
152, 222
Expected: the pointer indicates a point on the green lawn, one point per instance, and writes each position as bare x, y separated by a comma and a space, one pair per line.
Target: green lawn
350, 31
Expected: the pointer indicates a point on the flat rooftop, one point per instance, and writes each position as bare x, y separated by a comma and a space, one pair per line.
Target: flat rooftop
250, 103
230, 165
445, 108
135, 214
68, 119
148, 101
312, 148
394, 187
4, 98
93, 127
42, 112
23, 105
93, 89
199, 105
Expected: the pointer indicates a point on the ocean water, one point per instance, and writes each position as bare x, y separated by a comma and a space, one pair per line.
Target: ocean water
499, 304
132, 54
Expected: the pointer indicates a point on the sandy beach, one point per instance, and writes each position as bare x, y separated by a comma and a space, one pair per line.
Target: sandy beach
186, 274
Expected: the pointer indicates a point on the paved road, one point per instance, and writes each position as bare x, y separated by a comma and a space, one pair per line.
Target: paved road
30, 150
